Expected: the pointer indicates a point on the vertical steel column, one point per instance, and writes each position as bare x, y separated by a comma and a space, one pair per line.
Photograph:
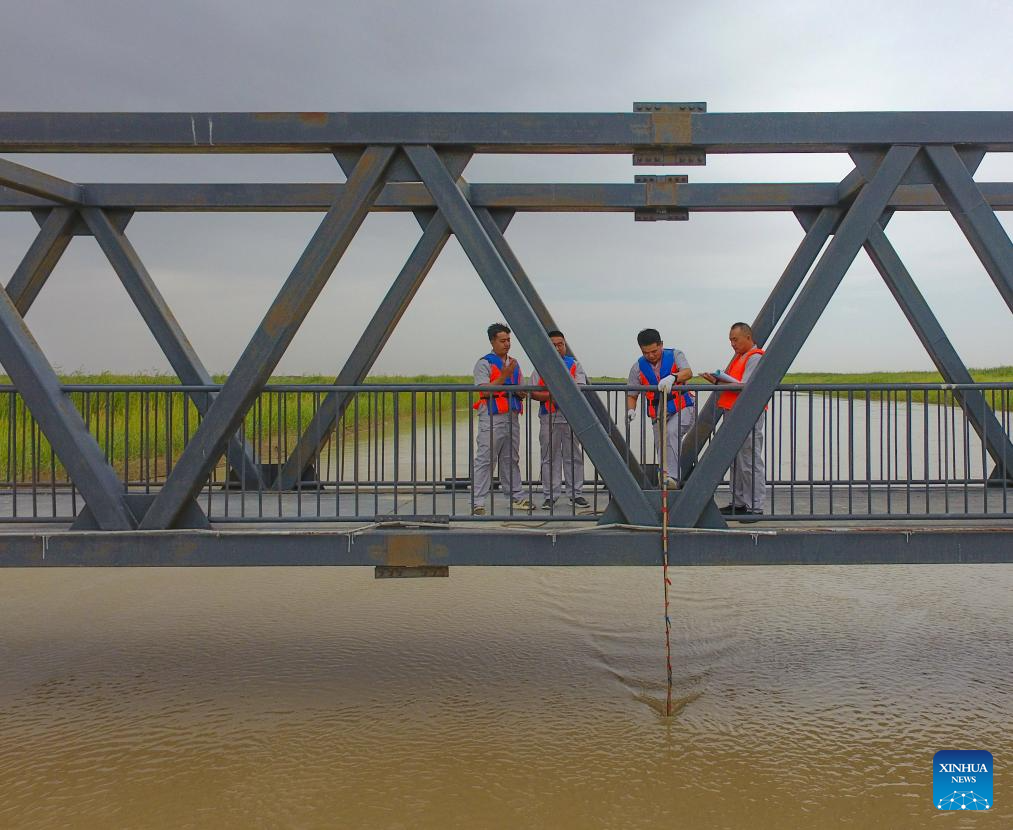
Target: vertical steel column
545, 318
60, 421
498, 280
38, 263
975, 217
766, 320
791, 335
272, 337
938, 345
166, 330
368, 348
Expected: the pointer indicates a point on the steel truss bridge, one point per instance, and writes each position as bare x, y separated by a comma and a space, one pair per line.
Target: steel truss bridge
908, 473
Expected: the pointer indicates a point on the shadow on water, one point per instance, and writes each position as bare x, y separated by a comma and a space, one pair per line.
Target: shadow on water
659, 704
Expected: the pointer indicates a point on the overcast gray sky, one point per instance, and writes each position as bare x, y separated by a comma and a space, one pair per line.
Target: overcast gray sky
603, 276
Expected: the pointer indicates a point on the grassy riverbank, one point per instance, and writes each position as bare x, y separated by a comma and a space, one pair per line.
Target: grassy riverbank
999, 374
141, 432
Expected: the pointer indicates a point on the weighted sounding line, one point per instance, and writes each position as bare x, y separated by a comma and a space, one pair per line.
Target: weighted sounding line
663, 403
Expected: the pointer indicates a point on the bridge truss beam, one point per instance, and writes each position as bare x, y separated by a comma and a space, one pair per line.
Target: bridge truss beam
414, 162
523, 132
441, 548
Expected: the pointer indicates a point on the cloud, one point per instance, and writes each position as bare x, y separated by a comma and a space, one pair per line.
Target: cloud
603, 276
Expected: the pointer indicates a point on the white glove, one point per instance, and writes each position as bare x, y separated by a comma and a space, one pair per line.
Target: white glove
631, 415
666, 384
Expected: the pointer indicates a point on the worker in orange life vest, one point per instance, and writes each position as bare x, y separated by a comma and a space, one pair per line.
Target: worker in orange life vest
562, 460
499, 428
749, 476
663, 368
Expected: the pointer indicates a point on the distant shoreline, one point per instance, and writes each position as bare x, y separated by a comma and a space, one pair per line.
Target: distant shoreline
142, 428
999, 374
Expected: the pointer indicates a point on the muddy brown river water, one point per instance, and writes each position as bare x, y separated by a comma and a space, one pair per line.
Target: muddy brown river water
805, 697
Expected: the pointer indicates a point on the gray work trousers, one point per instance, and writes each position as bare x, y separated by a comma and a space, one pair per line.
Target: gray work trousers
748, 473
499, 446
678, 425
561, 457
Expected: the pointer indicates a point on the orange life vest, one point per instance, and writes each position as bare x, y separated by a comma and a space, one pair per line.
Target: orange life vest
550, 405
502, 402
737, 368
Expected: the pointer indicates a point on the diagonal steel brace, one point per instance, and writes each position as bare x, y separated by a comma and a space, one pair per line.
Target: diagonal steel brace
500, 283
61, 422
38, 263
367, 349
167, 332
529, 291
851, 234
975, 217
271, 339
765, 322
938, 345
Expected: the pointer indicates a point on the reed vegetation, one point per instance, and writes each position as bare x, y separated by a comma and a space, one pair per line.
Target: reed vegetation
142, 433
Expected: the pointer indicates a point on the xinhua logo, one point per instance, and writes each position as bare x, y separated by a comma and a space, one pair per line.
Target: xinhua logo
962, 779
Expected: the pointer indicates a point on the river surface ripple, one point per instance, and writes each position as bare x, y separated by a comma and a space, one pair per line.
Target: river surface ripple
501, 697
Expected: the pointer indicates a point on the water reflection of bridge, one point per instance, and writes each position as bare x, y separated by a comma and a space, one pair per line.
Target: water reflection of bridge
239, 475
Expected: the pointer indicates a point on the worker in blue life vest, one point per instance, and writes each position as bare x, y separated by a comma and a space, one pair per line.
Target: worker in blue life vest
562, 459
663, 368
499, 428
749, 475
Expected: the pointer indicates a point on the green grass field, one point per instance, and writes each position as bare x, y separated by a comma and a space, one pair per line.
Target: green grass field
140, 431
999, 374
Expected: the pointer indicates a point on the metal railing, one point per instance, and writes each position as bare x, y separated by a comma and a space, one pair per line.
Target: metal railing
833, 453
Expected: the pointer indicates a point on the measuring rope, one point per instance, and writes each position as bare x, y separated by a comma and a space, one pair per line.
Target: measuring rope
663, 403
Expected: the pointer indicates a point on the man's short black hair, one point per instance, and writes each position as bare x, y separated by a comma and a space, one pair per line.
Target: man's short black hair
745, 328
556, 333
648, 337
496, 328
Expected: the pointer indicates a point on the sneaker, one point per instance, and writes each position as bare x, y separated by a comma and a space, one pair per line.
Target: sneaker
548, 503
580, 502
522, 504
671, 483
478, 510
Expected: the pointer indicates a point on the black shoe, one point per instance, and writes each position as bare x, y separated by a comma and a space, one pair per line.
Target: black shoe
733, 510
744, 514
547, 504
581, 502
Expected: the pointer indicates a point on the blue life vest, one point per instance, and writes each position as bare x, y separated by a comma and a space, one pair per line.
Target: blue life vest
501, 402
648, 377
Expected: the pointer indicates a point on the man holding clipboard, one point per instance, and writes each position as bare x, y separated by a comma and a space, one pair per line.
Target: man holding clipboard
749, 476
